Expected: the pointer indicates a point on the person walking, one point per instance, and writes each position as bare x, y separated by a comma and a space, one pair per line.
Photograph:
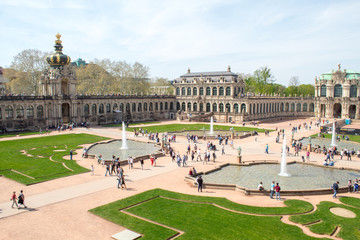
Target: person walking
142, 164
267, 149
107, 170
21, 199
335, 188
200, 183
92, 170
349, 186
223, 150
14, 200
71, 154
272, 189
277, 191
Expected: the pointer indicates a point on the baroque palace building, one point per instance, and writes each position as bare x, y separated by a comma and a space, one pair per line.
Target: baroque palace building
337, 94
197, 96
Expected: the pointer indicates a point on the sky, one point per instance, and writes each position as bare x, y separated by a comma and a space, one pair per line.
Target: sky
293, 38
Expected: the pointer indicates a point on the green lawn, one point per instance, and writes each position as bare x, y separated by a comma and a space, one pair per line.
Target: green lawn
353, 138
190, 127
20, 134
350, 227
41, 168
200, 218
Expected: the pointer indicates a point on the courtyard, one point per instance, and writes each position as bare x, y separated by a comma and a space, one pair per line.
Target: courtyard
75, 206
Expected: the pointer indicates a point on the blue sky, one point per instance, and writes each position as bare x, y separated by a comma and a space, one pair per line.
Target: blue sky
293, 38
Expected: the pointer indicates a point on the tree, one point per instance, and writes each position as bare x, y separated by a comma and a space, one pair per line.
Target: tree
161, 86
29, 65
294, 81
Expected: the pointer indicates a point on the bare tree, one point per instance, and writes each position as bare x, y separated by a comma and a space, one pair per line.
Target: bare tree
294, 81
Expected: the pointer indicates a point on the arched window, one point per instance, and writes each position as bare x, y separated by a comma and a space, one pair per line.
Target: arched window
183, 106
139, 107
221, 107
127, 107
183, 91
214, 91
19, 112
156, 106
178, 91
145, 107
298, 107
208, 91
311, 107
189, 106
115, 106
195, 107
353, 91
171, 106
151, 107
30, 111
228, 91
161, 106
9, 113
40, 110
0, 113
305, 107
221, 91
228, 107
214, 107
254, 109
108, 108
208, 106
282, 107
86, 109
236, 108
93, 109
338, 90
166, 106
201, 91
177, 106
286, 107
201, 107
133, 107
195, 91
101, 108
122, 107
189, 91
243, 108
293, 107
323, 90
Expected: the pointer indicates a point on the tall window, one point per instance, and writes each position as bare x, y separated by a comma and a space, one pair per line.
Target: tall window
221, 91
214, 107
183, 106
189, 106
201, 91
243, 108
338, 90
305, 107
161, 106
236, 108
30, 111
139, 107
221, 107
9, 113
298, 107
201, 107
171, 106
227, 107
166, 106
311, 107
228, 91
115, 106
353, 91
214, 91
177, 91
133, 107
0, 114
19, 112
208, 91
93, 109
208, 106
108, 107
145, 107
189, 91
323, 91
122, 107
101, 108
194, 91
195, 107
293, 107
151, 107
86, 109
156, 106
183, 90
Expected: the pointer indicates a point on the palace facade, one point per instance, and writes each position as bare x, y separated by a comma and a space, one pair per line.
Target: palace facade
197, 96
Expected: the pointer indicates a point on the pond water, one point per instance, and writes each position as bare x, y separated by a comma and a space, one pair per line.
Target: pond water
342, 144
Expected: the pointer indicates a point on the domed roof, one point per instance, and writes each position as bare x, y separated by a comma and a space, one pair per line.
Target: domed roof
350, 74
58, 59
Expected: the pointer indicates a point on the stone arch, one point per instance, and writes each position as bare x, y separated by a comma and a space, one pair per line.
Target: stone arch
352, 111
337, 108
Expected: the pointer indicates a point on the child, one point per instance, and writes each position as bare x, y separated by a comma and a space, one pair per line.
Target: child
13, 199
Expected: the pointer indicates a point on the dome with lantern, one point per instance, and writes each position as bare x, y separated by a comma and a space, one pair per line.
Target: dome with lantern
58, 59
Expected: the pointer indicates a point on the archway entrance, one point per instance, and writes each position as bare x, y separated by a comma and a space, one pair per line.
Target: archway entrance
352, 111
65, 112
322, 110
337, 110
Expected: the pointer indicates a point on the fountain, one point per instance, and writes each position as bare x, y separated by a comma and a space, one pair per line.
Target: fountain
211, 125
124, 142
283, 166
333, 136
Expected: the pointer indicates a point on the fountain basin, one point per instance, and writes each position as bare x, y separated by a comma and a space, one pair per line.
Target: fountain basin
113, 147
306, 179
342, 144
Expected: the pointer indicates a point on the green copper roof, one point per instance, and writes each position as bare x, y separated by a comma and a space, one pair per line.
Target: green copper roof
350, 74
